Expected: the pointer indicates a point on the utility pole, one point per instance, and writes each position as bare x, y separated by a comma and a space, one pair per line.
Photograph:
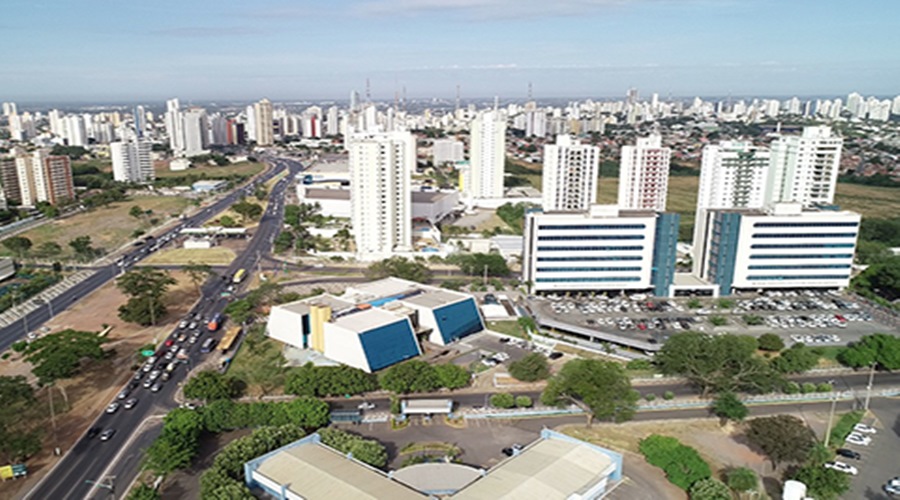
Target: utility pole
830, 419
485, 274
869, 387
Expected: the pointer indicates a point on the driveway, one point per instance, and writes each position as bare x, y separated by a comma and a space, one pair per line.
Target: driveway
881, 459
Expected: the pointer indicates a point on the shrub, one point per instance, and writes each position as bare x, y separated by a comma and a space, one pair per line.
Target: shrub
718, 320
503, 400
770, 342
668, 395
682, 464
649, 397
368, 451
523, 402
531, 368
844, 426
791, 388
824, 387
639, 365
807, 387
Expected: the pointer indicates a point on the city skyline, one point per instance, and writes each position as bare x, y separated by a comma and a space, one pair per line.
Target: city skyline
233, 51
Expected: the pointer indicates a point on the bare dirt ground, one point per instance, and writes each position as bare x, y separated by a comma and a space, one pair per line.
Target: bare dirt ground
89, 392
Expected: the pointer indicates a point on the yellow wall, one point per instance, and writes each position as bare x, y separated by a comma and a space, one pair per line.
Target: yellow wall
318, 316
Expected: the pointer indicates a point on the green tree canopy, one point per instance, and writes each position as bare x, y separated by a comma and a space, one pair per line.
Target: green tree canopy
365, 450
83, 248
146, 286
247, 210
210, 385
320, 381
728, 406
742, 479
49, 249
410, 376
601, 385
503, 400
18, 440
822, 483
58, 355
798, 359
879, 348
770, 342
399, 267
682, 464
531, 368
717, 363
19, 245
710, 489
880, 280
475, 264
783, 438
452, 376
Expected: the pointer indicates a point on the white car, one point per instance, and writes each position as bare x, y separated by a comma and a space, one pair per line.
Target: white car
112, 407
842, 467
864, 428
365, 405
857, 438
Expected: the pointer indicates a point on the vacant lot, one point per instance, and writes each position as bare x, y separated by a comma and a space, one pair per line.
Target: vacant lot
90, 391
210, 172
109, 227
215, 256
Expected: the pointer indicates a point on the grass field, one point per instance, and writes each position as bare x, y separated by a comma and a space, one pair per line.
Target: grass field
215, 256
109, 228
242, 168
510, 328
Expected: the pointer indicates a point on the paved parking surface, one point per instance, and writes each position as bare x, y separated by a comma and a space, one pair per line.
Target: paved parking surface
881, 459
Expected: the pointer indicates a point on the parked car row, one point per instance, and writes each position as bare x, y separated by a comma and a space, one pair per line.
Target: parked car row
816, 339
807, 321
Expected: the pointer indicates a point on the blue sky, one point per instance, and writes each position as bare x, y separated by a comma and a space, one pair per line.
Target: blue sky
114, 50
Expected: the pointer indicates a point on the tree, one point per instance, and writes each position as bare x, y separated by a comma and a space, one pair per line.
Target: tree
240, 310
742, 479
399, 267
452, 376
365, 450
475, 264
19, 245
18, 440
321, 381
49, 249
210, 385
524, 402
880, 280
58, 355
247, 210
177, 444
682, 464
531, 368
284, 241
411, 376
770, 342
717, 363
710, 489
797, 359
146, 286
600, 385
879, 348
83, 249
729, 406
136, 212
198, 273
227, 221
753, 319
503, 400
783, 438
143, 492
822, 483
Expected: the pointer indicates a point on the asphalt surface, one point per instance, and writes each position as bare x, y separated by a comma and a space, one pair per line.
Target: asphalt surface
91, 461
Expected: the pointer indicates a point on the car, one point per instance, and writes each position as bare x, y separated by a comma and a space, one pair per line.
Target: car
147, 383
130, 403
112, 408
365, 405
864, 429
169, 342
858, 439
123, 393
169, 356
512, 450
182, 338
183, 324
92, 432
107, 434
844, 452
138, 375
555, 355
842, 467
193, 339
891, 489
192, 325
189, 406
156, 387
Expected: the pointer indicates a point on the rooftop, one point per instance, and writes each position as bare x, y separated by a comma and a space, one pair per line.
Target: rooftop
429, 196
327, 194
367, 319
329, 167
432, 299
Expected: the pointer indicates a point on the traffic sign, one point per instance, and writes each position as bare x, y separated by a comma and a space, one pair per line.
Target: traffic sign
147, 353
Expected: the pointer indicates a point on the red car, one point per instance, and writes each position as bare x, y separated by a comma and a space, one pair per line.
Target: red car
169, 342
840, 318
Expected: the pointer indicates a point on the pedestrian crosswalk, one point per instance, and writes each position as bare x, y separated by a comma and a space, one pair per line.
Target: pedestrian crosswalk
14, 314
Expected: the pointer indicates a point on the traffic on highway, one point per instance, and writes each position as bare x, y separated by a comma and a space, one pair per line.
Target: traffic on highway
86, 471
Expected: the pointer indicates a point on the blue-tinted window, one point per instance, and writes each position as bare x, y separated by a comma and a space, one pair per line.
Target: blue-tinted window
588, 259
800, 266
805, 224
592, 237
588, 280
803, 277
586, 269
458, 320
801, 256
591, 226
788, 246
389, 344
592, 249
804, 235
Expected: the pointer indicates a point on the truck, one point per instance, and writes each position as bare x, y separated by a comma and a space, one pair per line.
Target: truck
239, 276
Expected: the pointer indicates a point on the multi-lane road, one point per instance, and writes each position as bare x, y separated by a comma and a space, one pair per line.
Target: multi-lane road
92, 466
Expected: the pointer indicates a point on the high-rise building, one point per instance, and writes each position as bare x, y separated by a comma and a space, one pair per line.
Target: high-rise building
25, 172
644, 175
131, 161
140, 121
196, 131
262, 112
174, 125
381, 165
76, 132
52, 178
332, 124
447, 151
487, 155
570, 175
733, 174
9, 108
9, 180
804, 168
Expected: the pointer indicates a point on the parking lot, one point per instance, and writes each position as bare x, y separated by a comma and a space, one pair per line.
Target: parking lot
811, 317
879, 461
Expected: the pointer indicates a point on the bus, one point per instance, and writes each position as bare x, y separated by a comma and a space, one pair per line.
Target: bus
239, 276
215, 322
228, 339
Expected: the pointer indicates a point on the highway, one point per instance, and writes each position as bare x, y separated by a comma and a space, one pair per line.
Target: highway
90, 461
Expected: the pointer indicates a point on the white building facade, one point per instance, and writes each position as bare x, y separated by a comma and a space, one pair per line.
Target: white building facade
570, 175
380, 168
131, 161
487, 156
783, 246
644, 175
805, 167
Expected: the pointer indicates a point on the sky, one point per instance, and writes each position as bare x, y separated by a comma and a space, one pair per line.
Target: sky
130, 50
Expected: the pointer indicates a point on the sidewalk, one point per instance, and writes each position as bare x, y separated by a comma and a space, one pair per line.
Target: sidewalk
14, 314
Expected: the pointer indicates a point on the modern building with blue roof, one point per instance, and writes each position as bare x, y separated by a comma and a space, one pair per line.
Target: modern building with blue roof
375, 325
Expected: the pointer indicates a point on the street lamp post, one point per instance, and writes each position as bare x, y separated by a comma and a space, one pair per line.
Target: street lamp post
830, 419
869, 387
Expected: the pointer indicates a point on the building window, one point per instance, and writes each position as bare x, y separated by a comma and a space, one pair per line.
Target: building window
801, 277
801, 235
588, 280
590, 249
587, 269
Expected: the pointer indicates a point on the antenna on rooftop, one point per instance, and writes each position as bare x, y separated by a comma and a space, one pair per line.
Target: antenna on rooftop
529, 91
368, 91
